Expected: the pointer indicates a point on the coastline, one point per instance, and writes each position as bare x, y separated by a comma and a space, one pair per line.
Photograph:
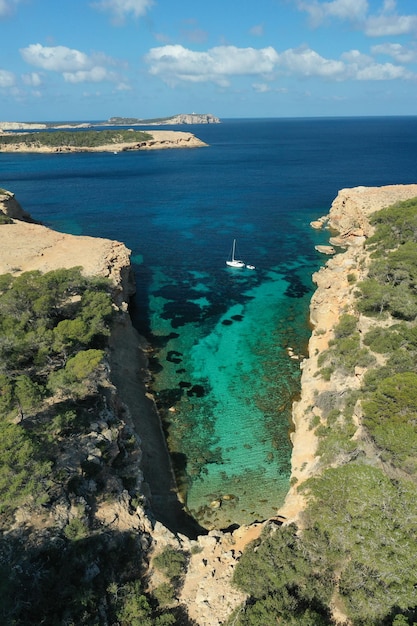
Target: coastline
27, 246
161, 140
348, 216
207, 591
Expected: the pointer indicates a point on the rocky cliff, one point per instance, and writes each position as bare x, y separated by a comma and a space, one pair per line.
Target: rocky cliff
348, 222
192, 118
27, 246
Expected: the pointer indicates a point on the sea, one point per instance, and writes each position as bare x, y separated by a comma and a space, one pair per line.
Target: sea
227, 343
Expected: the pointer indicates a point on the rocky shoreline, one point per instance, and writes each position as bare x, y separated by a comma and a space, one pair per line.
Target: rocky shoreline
348, 222
207, 592
161, 140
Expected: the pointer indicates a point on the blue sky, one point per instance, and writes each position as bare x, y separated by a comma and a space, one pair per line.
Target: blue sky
85, 60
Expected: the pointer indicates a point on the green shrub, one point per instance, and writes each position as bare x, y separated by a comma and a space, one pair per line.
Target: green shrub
165, 594
76, 529
77, 375
382, 340
172, 562
24, 474
390, 414
346, 326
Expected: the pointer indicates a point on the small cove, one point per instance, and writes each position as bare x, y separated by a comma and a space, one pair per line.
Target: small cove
222, 375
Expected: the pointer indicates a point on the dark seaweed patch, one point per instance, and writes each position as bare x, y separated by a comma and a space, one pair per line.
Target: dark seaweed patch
196, 390
174, 357
181, 314
296, 288
168, 397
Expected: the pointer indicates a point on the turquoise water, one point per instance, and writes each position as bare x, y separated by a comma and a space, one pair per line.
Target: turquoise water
222, 375
226, 389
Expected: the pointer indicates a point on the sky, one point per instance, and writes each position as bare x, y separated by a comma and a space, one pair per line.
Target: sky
80, 60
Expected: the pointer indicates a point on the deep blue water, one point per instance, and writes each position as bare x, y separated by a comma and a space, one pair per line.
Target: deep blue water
222, 374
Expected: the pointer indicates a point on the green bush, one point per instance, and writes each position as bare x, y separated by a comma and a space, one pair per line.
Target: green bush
390, 414
76, 529
172, 562
165, 594
346, 326
24, 473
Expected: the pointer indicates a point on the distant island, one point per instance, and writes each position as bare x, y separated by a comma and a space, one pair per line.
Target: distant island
183, 118
90, 140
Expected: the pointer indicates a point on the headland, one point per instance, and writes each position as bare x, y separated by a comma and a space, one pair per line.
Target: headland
108, 141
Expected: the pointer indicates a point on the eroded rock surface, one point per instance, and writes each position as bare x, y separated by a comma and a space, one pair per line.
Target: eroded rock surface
348, 220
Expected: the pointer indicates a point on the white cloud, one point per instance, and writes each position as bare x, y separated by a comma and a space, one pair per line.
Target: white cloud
400, 53
261, 87
389, 25
176, 63
56, 58
352, 10
386, 71
120, 9
94, 75
7, 79
33, 79
363, 67
74, 65
357, 58
306, 62
388, 22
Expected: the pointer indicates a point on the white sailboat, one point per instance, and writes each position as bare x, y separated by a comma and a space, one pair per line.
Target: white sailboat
232, 262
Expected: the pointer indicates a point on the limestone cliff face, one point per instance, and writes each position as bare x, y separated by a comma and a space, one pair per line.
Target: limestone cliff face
334, 296
22, 126
9, 206
29, 246
193, 118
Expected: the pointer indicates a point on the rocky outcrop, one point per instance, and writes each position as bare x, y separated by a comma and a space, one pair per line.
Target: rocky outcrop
27, 246
22, 126
193, 118
9, 206
349, 218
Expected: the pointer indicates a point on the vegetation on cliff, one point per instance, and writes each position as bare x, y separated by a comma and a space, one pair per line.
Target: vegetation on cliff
355, 554
65, 451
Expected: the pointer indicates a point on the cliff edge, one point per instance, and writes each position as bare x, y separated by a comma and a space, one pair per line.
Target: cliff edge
348, 222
